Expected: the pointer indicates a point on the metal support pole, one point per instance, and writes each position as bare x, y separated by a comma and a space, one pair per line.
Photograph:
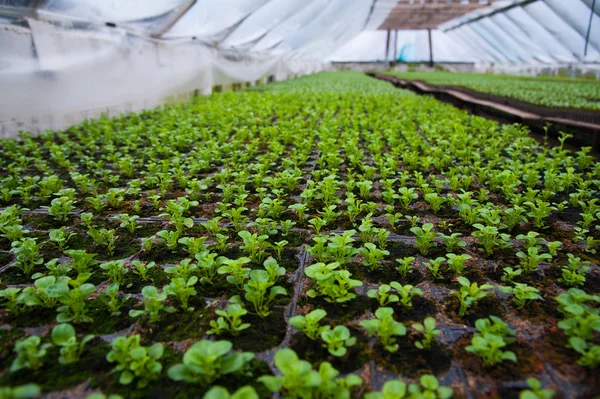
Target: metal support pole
387, 46
395, 52
589, 30
430, 48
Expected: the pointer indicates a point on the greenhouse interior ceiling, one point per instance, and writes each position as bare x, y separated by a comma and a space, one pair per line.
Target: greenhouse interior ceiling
299, 199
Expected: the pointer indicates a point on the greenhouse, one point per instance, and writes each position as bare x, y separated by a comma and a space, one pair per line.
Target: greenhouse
328, 199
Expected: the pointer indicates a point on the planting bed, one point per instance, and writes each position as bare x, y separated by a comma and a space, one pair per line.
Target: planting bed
336, 197
553, 92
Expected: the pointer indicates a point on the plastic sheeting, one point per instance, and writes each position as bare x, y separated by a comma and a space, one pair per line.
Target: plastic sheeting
54, 77
551, 31
411, 46
74, 59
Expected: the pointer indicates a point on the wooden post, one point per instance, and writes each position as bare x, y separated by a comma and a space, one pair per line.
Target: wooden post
430, 48
387, 46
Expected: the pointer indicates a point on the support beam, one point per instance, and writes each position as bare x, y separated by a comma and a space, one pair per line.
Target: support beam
430, 48
174, 18
395, 52
589, 29
387, 46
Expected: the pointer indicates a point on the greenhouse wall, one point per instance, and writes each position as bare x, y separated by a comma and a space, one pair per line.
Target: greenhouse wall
54, 77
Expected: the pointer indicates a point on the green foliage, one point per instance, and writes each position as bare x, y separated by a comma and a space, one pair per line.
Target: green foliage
217, 392
425, 237
372, 255
230, 320
406, 293
63, 335
182, 290
26, 391
30, 354
522, 293
405, 266
429, 332
297, 379
309, 324
153, 304
535, 390
385, 328
27, 253
134, 361
335, 285
337, 339
470, 293
207, 361
429, 388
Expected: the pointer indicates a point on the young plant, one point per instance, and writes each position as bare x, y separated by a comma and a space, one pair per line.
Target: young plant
153, 304
254, 245
142, 268
26, 391
309, 324
407, 195
135, 361
194, 245
573, 274
435, 201
105, 238
115, 270
170, 238
429, 332
45, 292
522, 293
535, 390
405, 266
297, 379
385, 328
218, 392
470, 294
383, 294
531, 260
74, 306
110, 297
489, 348
425, 237
128, 222
406, 293
60, 208
237, 274
182, 289
337, 340
335, 285
27, 253
60, 237
453, 241
63, 335
82, 261
30, 354
435, 267
456, 263
230, 320
261, 292
490, 238
372, 256
590, 353
207, 361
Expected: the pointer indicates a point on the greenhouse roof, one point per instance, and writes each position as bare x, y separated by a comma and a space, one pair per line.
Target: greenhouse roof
429, 14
